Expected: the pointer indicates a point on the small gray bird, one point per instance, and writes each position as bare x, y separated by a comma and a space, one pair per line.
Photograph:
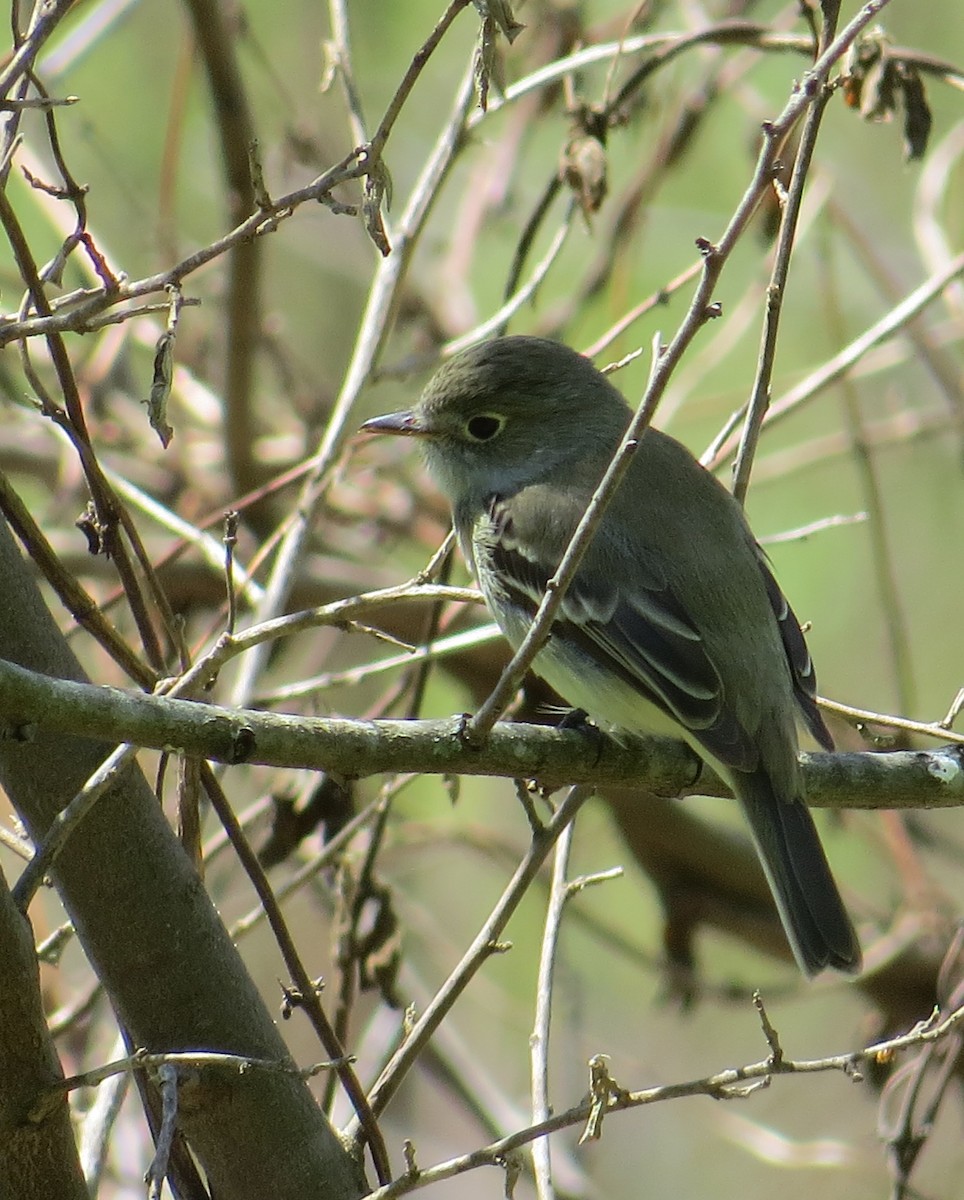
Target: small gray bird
673, 623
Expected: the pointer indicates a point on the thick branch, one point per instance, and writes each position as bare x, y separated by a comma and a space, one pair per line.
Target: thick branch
235, 125
157, 943
38, 1157
31, 703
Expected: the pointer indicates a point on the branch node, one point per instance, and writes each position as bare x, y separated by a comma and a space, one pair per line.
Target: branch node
411, 1165
769, 1031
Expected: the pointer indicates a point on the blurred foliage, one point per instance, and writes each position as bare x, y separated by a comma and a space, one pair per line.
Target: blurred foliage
147, 141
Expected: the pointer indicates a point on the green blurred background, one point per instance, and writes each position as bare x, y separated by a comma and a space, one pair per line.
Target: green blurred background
142, 139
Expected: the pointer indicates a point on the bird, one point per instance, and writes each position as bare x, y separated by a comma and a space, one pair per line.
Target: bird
673, 622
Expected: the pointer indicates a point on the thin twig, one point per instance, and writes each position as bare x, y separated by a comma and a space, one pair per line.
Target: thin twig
935, 729
75, 598
496, 324
200, 1060
230, 542
481, 949
309, 870
836, 367
67, 820
234, 121
802, 532
732, 1083
878, 265
72, 311
338, 52
644, 307
97, 1125
872, 496
435, 651
415, 68
776, 290
207, 547
539, 1038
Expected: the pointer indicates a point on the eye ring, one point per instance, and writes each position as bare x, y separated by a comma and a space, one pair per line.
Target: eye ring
483, 427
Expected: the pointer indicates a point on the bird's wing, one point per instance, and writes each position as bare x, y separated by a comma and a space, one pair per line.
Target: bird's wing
643, 633
798, 656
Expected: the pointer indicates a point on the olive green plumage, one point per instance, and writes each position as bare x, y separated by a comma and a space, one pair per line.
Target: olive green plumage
673, 622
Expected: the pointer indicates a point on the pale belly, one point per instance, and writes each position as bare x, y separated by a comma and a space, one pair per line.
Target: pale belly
583, 683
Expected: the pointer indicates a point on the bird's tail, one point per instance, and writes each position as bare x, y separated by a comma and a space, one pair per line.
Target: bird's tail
813, 914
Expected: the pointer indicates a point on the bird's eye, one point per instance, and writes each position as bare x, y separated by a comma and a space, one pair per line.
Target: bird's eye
484, 427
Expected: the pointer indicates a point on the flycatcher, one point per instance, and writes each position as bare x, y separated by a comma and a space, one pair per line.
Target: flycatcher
673, 624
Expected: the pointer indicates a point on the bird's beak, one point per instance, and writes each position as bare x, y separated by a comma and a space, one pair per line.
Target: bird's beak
404, 424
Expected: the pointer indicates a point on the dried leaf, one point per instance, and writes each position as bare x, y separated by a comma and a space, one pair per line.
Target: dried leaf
584, 164
261, 195
91, 526
877, 96
584, 169
500, 11
161, 388
485, 62
877, 82
378, 186
411, 1163
512, 1165
917, 113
